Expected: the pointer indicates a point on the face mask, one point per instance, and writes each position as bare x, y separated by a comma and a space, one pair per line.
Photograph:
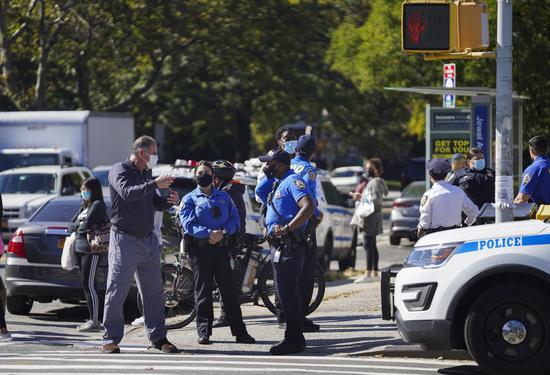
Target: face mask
269, 171
290, 147
204, 180
479, 164
86, 195
370, 173
153, 160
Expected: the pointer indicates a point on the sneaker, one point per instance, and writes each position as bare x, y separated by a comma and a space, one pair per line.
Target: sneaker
245, 339
138, 321
5, 337
286, 347
309, 326
90, 326
366, 279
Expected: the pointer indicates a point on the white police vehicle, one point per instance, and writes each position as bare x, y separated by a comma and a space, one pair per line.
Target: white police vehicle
484, 288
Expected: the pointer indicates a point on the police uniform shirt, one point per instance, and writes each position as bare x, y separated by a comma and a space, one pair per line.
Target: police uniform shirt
536, 180
479, 186
442, 206
456, 175
284, 205
200, 214
263, 188
308, 173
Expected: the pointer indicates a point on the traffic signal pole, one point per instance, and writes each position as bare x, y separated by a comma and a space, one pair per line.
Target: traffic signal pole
504, 191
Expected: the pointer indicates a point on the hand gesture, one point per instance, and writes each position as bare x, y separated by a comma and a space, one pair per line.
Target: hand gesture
278, 231
215, 237
173, 197
164, 182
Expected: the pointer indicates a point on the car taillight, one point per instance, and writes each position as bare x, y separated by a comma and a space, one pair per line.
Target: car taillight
402, 204
16, 245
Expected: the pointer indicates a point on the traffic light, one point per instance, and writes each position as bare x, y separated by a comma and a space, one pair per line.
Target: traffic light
444, 27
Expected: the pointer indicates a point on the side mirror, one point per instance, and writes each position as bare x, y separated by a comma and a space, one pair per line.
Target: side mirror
68, 190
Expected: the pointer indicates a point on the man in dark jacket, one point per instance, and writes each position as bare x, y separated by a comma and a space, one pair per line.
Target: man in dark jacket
479, 181
224, 172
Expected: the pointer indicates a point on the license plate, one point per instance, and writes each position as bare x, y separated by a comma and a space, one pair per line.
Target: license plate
4, 223
61, 243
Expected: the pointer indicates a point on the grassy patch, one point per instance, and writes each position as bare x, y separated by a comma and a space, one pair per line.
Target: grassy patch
340, 295
393, 184
337, 275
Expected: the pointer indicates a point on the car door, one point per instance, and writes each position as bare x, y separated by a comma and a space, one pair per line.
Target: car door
340, 216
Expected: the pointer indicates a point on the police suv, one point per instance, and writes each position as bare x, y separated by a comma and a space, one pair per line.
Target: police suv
483, 288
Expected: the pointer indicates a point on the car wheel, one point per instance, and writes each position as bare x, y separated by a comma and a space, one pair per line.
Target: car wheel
326, 258
507, 330
19, 305
349, 261
394, 240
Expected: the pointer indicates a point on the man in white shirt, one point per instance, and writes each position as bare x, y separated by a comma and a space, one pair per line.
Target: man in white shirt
441, 207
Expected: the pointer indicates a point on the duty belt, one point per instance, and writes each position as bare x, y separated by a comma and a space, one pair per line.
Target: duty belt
291, 239
226, 241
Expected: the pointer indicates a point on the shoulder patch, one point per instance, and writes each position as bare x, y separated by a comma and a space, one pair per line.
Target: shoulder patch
527, 177
311, 175
299, 184
424, 200
298, 168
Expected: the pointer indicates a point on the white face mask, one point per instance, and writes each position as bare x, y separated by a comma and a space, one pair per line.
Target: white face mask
153, 160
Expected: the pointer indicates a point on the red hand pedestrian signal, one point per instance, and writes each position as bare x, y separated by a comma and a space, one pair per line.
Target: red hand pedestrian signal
416, 27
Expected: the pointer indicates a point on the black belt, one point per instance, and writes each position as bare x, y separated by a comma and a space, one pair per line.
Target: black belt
291, 239
424, 232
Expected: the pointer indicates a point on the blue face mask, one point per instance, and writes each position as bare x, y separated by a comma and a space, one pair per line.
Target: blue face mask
290, 147
86, 195
479, 164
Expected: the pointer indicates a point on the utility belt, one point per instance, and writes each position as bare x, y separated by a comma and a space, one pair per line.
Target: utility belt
424, 232
227, 241
292, 239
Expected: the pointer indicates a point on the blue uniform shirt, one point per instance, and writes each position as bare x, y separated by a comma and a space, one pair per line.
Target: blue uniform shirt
304, 169
290, 190
264, 188
198, 209
536, 180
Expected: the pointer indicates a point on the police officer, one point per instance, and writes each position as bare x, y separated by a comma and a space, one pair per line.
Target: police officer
441, 207
458, 167
208, 217
479, 181
289, 208
301, 165
535, 184
224, 172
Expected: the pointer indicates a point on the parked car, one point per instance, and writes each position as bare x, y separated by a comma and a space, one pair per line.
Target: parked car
346, 178
406, 212
24, 190
33, 265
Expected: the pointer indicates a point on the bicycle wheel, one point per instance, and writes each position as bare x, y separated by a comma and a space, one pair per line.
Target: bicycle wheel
266, 285
179, 297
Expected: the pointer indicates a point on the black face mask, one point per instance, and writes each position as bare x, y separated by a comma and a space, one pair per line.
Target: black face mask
370, 173
204, 180
269, 171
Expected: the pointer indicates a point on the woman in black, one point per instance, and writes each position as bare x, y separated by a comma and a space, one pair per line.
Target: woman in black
4, 334
92, 214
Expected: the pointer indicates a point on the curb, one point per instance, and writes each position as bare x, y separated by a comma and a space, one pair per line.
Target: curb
415, 351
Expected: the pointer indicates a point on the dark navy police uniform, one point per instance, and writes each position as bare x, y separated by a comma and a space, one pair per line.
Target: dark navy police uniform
200, 215
288, 253
479, 186
536, 180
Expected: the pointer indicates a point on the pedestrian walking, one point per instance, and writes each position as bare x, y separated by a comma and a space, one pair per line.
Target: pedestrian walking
479, 181
133, 247
458, 167
4, 333
209, 218
535, 184
289, 209
442, 206
92, 215
224, 172
372, 226
301, 165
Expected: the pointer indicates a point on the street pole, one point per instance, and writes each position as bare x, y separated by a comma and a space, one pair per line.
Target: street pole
504, 191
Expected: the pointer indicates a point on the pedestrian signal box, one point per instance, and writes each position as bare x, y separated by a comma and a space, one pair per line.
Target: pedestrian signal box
444, 27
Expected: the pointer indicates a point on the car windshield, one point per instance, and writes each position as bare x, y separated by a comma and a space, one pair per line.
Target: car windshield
414, 190
332, 195
344, 174
60, 210
102, 176
27, 183
8, 161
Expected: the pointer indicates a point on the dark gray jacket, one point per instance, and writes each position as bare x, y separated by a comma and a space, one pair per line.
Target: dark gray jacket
134, 198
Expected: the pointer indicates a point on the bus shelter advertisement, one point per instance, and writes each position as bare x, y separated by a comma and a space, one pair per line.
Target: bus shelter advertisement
449, 132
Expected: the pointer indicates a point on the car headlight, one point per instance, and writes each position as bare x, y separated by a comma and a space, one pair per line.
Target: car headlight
431, 256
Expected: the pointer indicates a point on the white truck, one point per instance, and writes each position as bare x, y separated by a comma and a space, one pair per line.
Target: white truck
64, 138
484, 288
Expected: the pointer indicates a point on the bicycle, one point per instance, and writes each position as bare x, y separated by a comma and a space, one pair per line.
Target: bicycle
179, 284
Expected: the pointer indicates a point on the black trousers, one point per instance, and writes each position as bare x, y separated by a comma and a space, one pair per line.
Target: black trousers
2, 318
209, 262
286, 274
372, 252
88, 268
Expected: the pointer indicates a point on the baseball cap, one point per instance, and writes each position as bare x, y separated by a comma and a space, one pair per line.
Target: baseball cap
277, 155
307, 144
438, 166
457, 157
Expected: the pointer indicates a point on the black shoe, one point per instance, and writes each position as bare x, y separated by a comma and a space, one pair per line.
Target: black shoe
165, 346
222, 322
286, 347
203, 340
309, 326
245, 339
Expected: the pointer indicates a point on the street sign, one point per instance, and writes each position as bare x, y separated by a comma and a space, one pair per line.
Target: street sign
449, 80
481, 126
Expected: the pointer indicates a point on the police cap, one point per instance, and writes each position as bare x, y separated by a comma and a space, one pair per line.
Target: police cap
457, 157
307, 144
438, 166
277, 155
